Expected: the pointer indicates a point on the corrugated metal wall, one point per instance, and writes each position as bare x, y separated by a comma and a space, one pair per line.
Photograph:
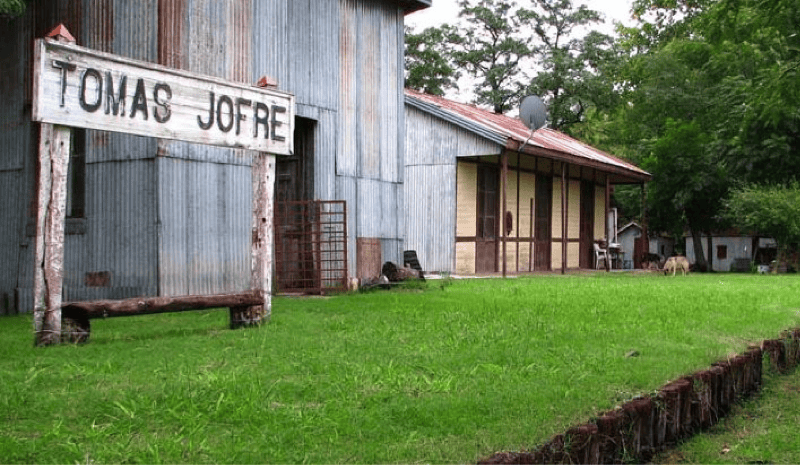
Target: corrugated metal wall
165, 217
15, 143
432, 146
370, 156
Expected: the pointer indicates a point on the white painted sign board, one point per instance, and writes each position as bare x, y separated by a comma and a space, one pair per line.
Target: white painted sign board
80, 87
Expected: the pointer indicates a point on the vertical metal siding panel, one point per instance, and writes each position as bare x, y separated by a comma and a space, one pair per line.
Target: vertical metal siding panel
346, 190
325, 156
173, 252
369, 93
270, 52
15, 148
400, 96
388, 100
347, 152
11, 232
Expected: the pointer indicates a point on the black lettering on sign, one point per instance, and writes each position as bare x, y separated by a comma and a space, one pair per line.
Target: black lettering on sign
210, 121
115, 103
261, 116
228, 103
64, 67
139, 100
95, 75
239, 115
276, 124
165, 112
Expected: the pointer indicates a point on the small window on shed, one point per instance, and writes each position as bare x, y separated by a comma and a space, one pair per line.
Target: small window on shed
722, 252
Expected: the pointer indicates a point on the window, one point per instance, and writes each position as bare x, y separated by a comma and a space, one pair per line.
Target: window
76, 175
722, 252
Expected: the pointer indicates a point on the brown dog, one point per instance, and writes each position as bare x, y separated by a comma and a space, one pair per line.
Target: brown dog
676, 263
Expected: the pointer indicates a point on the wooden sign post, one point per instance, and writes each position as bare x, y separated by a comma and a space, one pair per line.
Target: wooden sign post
79, 87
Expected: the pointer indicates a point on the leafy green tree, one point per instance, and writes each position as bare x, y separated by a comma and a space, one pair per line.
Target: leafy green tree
489, 46
771, 210
427, 65
569, 80
12, 7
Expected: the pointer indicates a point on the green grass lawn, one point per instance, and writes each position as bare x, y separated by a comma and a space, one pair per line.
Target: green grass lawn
447, 374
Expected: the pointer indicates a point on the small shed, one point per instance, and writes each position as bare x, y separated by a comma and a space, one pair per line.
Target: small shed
627, 237
733, 251
485, 195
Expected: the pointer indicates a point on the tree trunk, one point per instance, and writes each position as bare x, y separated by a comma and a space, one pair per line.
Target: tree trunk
700, 258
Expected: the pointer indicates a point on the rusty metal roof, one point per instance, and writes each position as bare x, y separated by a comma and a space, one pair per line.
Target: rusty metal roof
514, 135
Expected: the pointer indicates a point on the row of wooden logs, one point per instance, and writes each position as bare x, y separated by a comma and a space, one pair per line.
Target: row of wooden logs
644, 426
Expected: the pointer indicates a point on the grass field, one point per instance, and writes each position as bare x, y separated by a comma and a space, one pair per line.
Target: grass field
447, 374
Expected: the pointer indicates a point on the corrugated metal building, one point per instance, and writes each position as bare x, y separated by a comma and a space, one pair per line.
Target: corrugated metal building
156, 217
485, 196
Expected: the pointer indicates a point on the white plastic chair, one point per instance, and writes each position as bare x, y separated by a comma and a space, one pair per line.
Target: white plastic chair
600, 254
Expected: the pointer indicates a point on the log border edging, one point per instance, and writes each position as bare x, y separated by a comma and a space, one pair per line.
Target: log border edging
646, 425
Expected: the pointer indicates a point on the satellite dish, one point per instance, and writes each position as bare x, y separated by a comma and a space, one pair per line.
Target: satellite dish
532, 112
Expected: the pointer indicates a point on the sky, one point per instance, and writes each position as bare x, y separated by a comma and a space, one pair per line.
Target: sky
443, 11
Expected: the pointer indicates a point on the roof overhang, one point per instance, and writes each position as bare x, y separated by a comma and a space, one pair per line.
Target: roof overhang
411, 6
618, 174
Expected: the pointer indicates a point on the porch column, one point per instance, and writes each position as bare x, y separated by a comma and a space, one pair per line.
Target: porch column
504, 183
564, 217
608, 210
645, 234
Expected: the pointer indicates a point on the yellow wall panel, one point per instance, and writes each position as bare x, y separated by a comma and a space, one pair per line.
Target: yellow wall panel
573, 255
527, 192
555, 229
511, 202
465, 258
555, 256
574, 210
599, 212
467, 199
524, 257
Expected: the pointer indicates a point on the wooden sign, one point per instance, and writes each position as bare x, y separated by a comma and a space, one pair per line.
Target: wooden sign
76, 86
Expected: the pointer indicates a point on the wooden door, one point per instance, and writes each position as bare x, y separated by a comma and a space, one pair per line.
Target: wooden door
488, 220
586, 259
296, 264
542, 232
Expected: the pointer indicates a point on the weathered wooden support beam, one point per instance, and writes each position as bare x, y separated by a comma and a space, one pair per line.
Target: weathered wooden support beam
51, 200
262, 244
148, 305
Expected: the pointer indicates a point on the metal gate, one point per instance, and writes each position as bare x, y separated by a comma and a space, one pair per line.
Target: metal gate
311, 246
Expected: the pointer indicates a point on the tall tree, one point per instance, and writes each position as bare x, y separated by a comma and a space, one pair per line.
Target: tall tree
427, 65
489, 46
569, 78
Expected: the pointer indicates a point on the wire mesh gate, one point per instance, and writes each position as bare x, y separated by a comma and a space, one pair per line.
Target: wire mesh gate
311, 246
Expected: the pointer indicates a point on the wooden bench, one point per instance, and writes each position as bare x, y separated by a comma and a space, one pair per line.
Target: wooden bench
245, 310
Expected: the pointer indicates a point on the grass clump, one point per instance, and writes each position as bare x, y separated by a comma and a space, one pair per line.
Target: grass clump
447, 373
